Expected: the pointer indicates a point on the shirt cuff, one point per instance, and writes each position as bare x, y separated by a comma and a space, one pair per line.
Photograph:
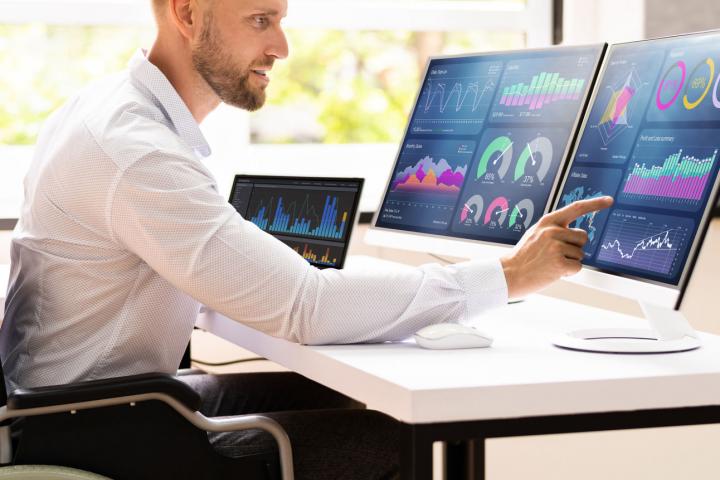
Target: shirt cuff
484, 284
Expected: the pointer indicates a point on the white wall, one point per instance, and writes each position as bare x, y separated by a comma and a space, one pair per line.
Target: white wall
592, 21
665, 18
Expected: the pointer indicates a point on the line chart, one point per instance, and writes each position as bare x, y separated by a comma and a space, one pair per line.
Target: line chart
645, 242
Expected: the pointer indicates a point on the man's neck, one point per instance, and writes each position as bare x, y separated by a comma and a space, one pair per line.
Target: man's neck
173, 58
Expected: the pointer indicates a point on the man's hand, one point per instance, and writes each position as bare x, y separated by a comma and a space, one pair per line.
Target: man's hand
549, 250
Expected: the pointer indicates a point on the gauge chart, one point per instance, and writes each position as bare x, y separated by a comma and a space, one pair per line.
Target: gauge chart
536, 156
495, 160
522, 215
496, 213
523, 156
471, 211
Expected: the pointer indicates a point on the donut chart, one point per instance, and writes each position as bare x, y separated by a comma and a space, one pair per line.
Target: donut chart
696, 83
499, 205
670, 83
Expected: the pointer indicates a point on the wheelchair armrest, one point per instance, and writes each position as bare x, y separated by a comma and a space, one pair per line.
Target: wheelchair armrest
24, 398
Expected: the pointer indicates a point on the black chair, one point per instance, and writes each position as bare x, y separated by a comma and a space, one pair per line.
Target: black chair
137, 427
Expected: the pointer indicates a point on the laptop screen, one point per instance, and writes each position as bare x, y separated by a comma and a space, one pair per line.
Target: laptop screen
313, 216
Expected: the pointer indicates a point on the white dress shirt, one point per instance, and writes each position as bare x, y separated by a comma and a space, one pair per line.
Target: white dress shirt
123, 235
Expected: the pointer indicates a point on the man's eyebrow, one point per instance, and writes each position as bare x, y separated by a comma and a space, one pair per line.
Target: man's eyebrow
269, 13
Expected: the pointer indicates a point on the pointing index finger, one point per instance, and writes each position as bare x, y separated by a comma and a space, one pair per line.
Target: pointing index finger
568, 214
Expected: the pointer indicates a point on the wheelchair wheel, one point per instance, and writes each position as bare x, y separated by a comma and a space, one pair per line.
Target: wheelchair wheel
46, 472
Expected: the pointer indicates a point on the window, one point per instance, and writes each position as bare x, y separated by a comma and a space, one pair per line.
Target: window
355, 86
44, 64
337, 106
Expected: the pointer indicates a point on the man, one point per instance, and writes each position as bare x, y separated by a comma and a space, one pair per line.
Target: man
123, 235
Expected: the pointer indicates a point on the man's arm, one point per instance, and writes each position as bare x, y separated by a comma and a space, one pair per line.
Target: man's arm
166, 210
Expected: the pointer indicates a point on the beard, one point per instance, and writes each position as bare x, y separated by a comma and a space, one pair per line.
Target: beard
229, 82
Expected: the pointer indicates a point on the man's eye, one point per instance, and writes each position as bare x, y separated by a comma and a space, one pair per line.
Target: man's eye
260, 21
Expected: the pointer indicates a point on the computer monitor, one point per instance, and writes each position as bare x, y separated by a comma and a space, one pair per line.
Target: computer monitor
483, 149
651, 139
313, 216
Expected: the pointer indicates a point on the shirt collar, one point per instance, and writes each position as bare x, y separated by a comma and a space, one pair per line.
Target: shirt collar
154, 81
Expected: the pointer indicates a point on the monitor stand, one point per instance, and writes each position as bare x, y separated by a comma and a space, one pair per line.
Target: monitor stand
670, 332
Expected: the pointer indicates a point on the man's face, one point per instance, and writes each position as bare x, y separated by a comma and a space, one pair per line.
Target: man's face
239, 42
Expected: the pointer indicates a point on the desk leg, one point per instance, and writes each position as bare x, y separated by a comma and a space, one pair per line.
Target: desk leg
416, 455
465, 460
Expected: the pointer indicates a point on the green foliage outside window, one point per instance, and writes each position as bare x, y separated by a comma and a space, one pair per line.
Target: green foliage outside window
359, 84
336, 86
44, 65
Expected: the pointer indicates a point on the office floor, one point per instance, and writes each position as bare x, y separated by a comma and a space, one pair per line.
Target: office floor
657, 454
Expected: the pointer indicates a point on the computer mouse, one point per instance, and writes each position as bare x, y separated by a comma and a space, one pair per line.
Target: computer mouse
447, 336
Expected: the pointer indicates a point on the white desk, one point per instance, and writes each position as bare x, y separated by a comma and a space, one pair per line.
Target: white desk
521, 386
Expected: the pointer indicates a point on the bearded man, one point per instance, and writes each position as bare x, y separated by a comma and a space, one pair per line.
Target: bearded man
123, 235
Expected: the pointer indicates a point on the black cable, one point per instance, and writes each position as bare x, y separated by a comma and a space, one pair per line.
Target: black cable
229, 362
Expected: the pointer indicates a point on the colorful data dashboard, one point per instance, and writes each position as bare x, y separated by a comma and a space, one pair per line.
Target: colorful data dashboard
313, 216
651, 139
485, 142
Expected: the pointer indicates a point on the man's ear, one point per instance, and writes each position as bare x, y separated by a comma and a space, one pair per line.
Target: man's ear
184, 14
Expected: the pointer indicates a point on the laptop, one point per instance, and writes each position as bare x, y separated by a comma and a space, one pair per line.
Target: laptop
314, 216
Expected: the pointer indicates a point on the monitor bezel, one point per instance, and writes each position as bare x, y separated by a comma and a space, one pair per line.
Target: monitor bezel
653, 291
353, 215
376, 234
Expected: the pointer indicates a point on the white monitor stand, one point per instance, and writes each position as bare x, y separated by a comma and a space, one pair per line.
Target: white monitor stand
669, 329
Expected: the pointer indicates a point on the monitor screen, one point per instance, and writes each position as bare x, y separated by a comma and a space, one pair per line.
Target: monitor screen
650, 140
486, 141
313, 216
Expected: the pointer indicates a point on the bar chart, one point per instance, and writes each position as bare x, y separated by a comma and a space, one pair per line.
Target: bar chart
541, 91
544, 89
670, 169
319, 214
679, 176
287, 220
319, 253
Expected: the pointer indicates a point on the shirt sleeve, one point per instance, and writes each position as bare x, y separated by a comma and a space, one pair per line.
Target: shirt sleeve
166, 210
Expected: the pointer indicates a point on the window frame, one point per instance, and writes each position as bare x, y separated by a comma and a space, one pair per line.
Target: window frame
536, 18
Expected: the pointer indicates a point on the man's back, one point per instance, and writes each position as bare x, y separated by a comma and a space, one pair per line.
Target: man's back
80, 305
